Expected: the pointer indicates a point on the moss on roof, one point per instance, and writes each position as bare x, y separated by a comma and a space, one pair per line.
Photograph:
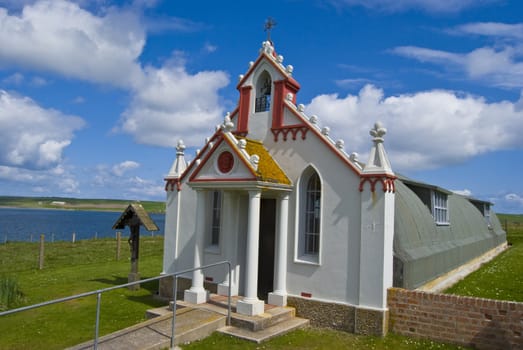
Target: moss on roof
268, 169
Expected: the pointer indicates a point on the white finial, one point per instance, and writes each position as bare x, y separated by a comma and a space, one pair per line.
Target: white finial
240, 77
207, 139
250, 64
242, 143
279, 59
289, 69
340, 144
179, 164
289, 96
180, 147
325, 131
198, 152
378, 132
378, 160
313, 119
354, 156
227, 123
301, 107
255, 159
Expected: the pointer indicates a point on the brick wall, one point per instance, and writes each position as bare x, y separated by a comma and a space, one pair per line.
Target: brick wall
481, 323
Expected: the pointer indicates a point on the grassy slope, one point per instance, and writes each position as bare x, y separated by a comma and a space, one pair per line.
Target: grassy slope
71, 269
501, 278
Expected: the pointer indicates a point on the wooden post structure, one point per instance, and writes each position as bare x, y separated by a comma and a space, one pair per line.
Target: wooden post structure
41, 255
134, 216
118, 244
134, 245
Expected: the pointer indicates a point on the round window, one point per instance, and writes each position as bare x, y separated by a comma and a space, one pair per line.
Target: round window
225, 162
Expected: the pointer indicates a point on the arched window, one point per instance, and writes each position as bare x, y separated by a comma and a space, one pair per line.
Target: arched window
263, 93
216, 208
312, 215
309, 217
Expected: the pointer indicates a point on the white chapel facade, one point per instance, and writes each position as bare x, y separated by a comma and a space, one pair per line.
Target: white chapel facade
302, 221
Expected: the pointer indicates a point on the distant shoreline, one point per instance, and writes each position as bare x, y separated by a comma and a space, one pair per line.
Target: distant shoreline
60, 203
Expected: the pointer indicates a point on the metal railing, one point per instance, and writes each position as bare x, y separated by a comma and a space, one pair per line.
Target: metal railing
100, 291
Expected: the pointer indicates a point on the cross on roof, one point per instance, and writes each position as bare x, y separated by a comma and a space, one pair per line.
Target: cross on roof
269, 24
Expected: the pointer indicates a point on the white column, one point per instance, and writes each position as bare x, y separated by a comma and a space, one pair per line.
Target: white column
279, 296
197, 294
229, 239
251, 305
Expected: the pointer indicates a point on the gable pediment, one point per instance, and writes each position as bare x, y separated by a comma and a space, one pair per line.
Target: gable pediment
223, 163
235, 162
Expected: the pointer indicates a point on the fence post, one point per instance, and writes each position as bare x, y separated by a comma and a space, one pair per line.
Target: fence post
41, 257
118, 244
74, 237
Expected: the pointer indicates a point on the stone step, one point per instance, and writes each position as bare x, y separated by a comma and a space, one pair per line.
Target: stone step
271, 316
191, 325
267, 333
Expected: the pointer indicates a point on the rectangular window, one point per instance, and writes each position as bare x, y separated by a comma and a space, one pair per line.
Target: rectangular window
486, 213
216, 217
440, 208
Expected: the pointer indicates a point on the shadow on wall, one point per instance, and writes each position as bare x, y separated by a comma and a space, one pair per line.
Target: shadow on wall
494, 337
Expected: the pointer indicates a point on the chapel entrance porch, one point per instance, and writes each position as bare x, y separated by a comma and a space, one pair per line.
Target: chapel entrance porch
261, 258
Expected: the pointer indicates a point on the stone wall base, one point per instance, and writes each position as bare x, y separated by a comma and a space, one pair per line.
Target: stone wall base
342, 317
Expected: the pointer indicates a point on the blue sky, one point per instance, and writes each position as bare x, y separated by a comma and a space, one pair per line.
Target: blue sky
94, 95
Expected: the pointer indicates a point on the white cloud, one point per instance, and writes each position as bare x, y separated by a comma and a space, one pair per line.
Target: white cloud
431, 6
31, 136
464, 192
174, 104
121, 168
14, 79
514, 198
427, 129
500, 67
494, 29
60, 37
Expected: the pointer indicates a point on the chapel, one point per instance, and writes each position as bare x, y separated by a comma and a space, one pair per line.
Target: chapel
304, 222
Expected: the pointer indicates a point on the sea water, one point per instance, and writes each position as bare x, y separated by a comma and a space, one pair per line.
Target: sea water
60, 225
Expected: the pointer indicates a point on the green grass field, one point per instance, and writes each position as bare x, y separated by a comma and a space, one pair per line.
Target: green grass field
72, 268
501, 278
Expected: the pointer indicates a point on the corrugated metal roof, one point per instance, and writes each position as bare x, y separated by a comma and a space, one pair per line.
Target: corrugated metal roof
135, 211
428, 250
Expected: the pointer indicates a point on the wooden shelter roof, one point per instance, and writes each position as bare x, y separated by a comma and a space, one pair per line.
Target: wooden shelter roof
133, 212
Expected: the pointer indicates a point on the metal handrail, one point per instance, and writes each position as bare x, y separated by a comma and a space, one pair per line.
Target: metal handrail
100, 291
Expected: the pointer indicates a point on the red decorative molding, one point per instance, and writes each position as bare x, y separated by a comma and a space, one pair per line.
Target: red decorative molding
292, 129
306, 295
171, 184
387, 182
244, 109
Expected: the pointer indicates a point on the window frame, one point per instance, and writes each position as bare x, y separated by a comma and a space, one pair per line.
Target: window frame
215, 205
440, 208
301, 255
